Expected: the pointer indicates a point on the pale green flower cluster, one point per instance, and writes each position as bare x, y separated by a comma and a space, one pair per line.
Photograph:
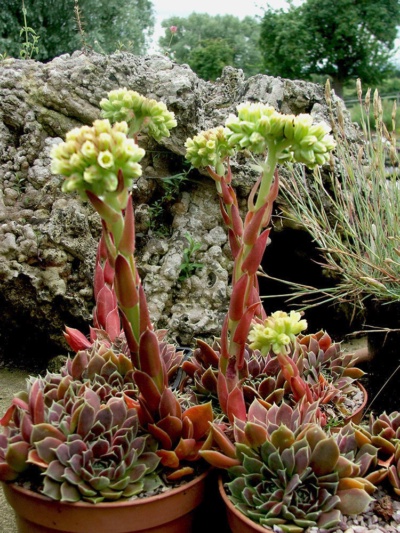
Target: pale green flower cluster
209, 148
311, 143
91, 158
276, 332
257, 127
141, 113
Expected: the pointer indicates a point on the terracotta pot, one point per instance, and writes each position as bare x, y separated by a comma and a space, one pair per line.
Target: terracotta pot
169, 512
358, 414
238, 522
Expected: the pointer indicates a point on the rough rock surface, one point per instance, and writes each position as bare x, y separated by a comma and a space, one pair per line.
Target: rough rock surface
48, 240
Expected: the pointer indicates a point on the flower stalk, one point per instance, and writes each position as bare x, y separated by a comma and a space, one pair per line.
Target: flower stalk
270, 137
101, 163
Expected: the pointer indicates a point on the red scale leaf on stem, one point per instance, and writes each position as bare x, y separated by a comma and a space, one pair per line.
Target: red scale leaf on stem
253, 260
127, 242
125, 284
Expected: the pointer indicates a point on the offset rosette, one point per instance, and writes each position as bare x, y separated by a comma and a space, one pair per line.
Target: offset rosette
95, 158
140, 113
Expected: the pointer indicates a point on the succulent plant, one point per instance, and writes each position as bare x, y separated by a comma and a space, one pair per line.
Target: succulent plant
103, 459
286, 471
84, 448
172, 419
384, 432
394, 470
271, 137
179, 427
323, 370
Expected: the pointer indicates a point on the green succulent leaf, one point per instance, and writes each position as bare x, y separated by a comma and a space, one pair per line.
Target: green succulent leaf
55, 471
253, 466
247, 496
120, 484
43, 430
111, 495
133, 489
302, 459
100, 483
138, 471
69, 493
282, 438
329, 520
324, 456
288, 460
16, 456
236, 487
353, 501
86, 491
291, 528
51, 489
151, 482
243, 451
266, 450
150, 461
274, 462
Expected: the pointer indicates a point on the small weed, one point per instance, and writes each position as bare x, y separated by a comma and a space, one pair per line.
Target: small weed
29, 47
171, 187
188, 265
124, 46
4, 56
20, 184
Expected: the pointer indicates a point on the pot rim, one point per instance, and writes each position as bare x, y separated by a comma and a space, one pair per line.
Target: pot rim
358, 414
129, 502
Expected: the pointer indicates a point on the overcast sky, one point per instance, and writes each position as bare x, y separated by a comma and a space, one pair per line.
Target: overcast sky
240, 8
182, 8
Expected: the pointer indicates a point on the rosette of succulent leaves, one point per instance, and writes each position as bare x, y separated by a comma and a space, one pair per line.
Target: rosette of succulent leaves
284, 470
311, 366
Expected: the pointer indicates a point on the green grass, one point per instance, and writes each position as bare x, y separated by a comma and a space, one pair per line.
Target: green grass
357, 114
353, 213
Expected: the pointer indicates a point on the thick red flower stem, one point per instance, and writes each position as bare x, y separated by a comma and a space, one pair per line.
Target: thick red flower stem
248, 242
119, 240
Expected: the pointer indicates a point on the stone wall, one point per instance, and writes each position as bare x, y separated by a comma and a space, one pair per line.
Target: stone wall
48, 240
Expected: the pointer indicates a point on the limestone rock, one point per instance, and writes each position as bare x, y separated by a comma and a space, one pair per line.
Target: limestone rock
48, 240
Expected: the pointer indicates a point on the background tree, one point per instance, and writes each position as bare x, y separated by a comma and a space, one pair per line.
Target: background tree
345, 39
208, 43
107, 24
